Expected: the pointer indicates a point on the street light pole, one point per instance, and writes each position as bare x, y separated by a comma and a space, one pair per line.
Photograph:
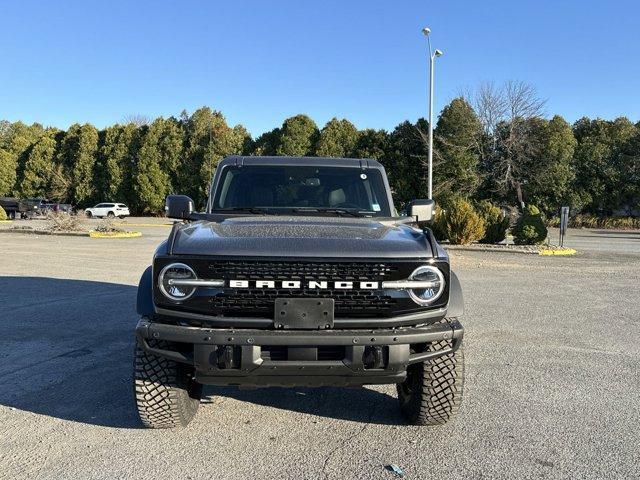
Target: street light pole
432, 56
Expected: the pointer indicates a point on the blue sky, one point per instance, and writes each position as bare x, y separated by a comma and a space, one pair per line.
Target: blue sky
260, 62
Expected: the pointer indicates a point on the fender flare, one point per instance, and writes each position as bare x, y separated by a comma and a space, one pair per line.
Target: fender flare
456, 300
144, 302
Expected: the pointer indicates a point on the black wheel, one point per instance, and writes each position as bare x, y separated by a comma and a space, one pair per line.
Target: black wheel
110, 215
165, 392
11, 215
121, 217
89, 214
432, 392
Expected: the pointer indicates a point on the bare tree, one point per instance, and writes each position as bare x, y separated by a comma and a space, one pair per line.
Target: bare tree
489, 104
137, 119
506, 113
522, 100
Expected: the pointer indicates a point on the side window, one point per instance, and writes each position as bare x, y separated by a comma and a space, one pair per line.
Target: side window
122, 205
224, 191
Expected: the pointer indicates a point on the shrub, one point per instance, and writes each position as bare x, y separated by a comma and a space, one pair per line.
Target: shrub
592, 221
3, 214
108, 226
553, 222
584, 221
496, 223
462, 224
530, 228
437, 224
64, 222
619, 223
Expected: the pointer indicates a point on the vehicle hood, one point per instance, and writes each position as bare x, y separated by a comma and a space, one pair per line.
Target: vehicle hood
298, 236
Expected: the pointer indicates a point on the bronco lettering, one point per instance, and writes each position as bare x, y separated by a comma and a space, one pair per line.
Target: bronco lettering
297, 284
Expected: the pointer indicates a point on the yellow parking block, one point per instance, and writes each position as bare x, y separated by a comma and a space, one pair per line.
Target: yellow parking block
146, 224
557, 251
94, 234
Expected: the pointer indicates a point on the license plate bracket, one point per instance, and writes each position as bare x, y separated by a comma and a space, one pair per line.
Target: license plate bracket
304, 313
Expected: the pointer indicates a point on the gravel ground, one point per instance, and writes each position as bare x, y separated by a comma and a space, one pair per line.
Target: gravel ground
552, 379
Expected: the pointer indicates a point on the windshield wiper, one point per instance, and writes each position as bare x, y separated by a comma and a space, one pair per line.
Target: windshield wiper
256, 210
341, 212
336, 211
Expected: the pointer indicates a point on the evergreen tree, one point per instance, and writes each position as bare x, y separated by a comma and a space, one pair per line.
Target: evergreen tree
208, 140
406, 161
7, 172
456, 150
15, 142
158, 161
338, 138
38, 170
298, 137
596, 162
267, 143
117, 157
372, 144
199, 128
550, 172
629, 168
77, 155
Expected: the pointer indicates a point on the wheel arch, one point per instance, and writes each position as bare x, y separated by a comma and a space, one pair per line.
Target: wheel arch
144, 302
456, 300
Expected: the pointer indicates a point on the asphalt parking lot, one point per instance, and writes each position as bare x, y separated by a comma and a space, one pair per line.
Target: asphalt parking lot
553, 378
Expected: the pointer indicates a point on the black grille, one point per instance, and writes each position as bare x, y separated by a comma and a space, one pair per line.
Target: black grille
274, 270
260, 302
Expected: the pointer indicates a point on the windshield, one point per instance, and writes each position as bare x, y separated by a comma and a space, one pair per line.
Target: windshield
300, 188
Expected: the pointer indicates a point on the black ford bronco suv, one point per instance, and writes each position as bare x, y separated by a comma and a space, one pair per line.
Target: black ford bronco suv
298, 273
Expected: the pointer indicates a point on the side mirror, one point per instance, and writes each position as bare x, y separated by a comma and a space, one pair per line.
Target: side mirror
422, 210
179, 206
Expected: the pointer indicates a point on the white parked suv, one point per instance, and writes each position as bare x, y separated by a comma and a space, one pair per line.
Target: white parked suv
110, 210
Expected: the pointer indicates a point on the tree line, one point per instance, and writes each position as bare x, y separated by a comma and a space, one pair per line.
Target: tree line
493, 143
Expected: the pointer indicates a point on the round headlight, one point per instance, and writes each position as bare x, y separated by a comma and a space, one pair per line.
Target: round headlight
176, 271
428, 295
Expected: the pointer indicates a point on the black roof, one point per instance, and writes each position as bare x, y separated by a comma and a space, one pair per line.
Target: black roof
312, 161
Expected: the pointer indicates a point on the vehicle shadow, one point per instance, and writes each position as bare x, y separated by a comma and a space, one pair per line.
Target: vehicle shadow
362, 405
66, 352
66, 349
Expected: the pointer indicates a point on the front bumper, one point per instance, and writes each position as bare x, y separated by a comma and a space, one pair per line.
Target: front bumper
305, 357
425, 316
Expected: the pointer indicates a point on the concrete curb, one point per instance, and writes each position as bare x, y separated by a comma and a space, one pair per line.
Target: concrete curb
43, 232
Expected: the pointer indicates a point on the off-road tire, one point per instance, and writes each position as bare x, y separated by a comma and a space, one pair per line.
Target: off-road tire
165, 393
432, 392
